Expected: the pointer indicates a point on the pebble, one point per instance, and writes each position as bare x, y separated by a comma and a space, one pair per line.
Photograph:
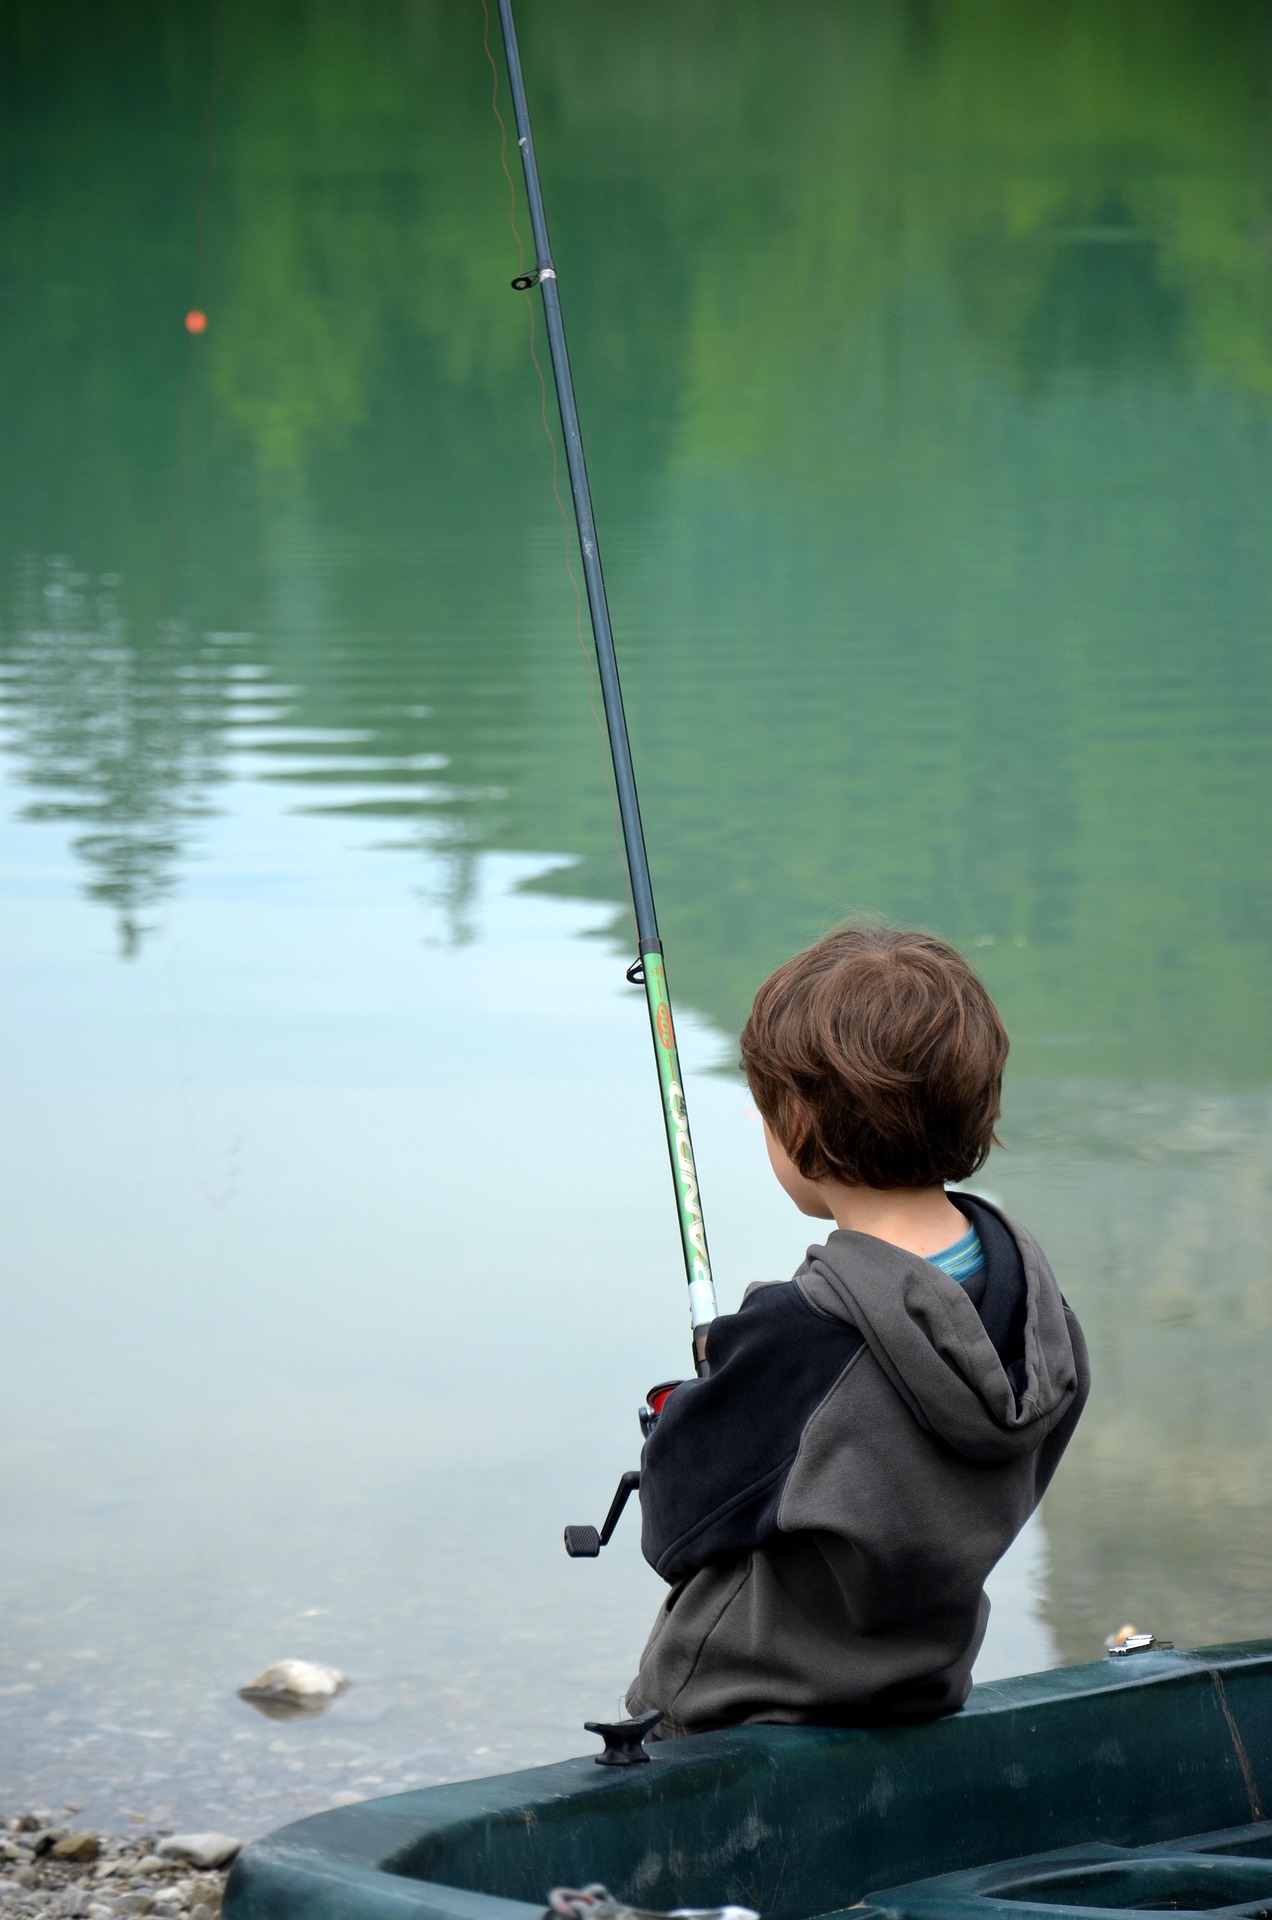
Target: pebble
51, 1872
200, 1849
80, 1847
294, 1686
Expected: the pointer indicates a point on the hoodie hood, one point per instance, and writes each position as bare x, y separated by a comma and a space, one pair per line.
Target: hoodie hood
930, 1341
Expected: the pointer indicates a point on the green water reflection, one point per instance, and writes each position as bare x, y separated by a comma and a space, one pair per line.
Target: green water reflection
926, 355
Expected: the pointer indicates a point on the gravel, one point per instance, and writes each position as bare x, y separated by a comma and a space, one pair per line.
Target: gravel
51, 1871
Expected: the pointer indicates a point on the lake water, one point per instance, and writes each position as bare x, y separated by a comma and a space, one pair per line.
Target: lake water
925, 356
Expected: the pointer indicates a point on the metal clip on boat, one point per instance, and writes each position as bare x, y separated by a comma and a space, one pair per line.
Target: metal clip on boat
624, 1739
584, 1543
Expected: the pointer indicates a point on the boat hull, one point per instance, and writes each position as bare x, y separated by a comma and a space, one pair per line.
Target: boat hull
797, 1821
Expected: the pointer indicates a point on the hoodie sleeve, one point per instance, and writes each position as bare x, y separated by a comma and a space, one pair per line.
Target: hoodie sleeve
714, 1468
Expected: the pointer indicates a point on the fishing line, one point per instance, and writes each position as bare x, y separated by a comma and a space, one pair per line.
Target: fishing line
209, 135
196, 320
503, 136
216, 1201
588, 656
198, 1556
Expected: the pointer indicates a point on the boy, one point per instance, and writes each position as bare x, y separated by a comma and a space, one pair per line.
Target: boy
871, 1435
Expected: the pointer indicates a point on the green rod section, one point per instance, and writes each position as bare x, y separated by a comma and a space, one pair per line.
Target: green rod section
684, 1173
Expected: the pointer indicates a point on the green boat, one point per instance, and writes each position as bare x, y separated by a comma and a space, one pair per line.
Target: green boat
1137, 1783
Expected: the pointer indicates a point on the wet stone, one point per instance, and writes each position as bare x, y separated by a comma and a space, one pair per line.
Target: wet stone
78, 1847
200, 1849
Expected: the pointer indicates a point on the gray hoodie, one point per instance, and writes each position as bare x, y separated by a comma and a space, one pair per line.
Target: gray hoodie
827, 1503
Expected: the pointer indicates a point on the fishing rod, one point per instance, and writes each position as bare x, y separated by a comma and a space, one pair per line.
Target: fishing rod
647, 970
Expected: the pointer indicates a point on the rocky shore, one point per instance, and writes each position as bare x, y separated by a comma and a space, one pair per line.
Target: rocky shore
50, 1869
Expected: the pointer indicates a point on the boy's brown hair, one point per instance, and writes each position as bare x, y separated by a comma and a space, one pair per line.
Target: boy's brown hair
877, 1056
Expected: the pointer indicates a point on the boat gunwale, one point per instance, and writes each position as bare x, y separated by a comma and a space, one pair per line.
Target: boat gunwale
419, 1853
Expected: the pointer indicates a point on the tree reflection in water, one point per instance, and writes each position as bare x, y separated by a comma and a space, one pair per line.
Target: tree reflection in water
926, 355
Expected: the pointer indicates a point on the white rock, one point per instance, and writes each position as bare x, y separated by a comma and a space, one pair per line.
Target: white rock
200, 1849
296, 1682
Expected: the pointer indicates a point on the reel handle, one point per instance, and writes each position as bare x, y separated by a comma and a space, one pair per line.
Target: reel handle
585, 1543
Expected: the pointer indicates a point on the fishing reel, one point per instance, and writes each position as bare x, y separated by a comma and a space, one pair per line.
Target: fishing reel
585, 1543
